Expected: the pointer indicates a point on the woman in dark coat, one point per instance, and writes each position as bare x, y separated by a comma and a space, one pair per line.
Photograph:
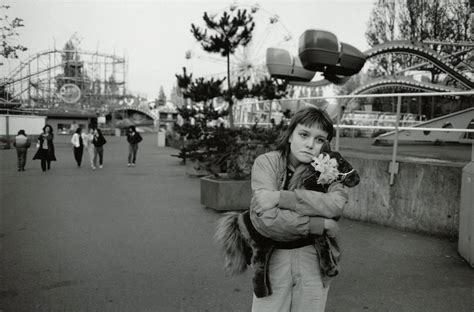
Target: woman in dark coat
45, 146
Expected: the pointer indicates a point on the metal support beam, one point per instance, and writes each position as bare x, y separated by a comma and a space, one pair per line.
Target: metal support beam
394, 165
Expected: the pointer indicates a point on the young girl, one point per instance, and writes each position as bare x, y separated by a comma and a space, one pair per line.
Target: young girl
284, 216
45, 150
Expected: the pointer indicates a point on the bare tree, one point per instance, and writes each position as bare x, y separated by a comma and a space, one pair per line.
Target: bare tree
9, 33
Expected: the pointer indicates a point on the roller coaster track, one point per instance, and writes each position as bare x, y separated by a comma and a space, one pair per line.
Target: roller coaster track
405, 83
418, 49
12, 76
391, 83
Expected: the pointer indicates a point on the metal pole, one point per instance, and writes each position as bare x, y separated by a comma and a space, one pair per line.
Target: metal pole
338, 122
393, 164
7, 124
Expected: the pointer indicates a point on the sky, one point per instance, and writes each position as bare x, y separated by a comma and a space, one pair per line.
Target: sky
155, 35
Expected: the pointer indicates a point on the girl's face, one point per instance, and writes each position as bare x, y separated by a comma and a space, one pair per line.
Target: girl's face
47, 130
306, 143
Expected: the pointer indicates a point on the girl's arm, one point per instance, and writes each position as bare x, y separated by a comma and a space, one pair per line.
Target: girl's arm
273, 222
313, 203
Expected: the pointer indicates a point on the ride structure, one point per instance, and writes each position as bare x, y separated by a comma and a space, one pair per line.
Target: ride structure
74, 83
68, 78
320, 51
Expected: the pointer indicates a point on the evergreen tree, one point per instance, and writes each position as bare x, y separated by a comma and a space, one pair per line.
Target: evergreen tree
227, 33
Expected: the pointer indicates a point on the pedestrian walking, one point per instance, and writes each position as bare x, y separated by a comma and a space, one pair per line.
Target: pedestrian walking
133, 138
45, 146
78, 146
88, 138
99, 142
22, 143
283, 215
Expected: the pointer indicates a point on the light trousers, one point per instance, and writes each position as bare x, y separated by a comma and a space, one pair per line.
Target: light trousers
90, 152
296, 284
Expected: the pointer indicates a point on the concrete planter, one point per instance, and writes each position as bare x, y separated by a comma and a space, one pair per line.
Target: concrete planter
224, 194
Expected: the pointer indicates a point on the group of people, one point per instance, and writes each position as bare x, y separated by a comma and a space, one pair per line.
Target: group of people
93, 141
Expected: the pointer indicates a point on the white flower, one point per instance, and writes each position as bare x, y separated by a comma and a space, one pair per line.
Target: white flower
327, 166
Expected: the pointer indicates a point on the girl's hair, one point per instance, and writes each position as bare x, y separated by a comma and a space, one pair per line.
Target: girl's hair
99, 131
79, 130
50, 128
308, 116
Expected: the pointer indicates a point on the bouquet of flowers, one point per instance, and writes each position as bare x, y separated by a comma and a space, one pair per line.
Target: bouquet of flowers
327, 168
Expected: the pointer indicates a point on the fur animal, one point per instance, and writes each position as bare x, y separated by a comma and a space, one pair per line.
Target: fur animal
242, 245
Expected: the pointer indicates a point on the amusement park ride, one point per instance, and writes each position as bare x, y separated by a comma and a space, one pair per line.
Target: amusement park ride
320, 51
81, 82
72, 83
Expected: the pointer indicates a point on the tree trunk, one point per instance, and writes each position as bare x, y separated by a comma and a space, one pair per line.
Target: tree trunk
229, 94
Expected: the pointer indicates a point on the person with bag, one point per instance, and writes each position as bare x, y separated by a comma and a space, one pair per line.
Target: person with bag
99, 142
21, 143
133, 138
45, 146
77, 142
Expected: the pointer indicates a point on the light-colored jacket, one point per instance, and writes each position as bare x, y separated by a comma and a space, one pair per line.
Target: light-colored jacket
22, 141
75, 140
269, 173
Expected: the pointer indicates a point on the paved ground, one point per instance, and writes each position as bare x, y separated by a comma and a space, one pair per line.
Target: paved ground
137, 239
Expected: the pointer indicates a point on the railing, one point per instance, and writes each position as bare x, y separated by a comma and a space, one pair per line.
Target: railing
397, 128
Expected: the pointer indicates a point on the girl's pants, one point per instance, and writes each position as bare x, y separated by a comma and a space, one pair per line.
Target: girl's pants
98, 151
78, 155
132, 153
295, 281
21, 155
90, 152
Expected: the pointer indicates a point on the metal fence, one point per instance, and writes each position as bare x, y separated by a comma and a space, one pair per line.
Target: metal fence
265, 111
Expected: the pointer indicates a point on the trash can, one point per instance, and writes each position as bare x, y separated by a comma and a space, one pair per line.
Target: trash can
161, 138
117, 132
466, 215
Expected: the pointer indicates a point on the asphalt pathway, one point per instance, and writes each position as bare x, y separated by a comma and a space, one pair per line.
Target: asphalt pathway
137, 239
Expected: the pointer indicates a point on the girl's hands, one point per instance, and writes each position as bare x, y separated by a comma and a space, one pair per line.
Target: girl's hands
331, 228
265, 200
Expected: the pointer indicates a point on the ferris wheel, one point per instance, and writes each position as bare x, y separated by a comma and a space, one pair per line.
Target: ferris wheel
248, 61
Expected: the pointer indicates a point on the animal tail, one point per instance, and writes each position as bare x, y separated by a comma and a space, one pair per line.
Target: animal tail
236, 251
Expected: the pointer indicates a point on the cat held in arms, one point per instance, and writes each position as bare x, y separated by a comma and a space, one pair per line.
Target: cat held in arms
243, 245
